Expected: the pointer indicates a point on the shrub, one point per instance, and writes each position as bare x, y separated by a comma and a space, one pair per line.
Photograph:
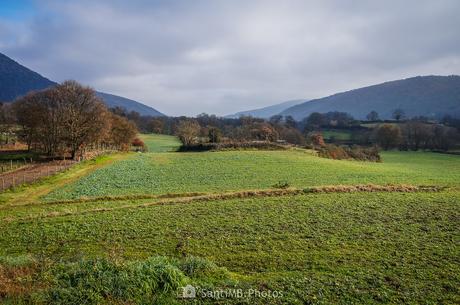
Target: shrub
344, 152
317, 139
281, 185
137, 142
139, 145
261, 145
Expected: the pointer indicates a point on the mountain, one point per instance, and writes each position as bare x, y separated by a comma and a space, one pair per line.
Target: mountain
17, 80
266, 112
430, 96
115, 100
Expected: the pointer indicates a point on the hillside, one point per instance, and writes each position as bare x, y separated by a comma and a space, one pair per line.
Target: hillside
115, 100
266, 112
17, 80
431, 96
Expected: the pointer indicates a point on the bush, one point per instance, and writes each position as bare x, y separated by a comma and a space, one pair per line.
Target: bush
317, 140
281, 185
262, 145
139, 145
344, 152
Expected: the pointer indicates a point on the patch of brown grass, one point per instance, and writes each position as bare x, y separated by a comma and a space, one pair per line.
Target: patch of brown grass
17, 281
402, 188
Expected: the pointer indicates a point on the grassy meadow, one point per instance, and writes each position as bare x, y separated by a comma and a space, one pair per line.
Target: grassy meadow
315, 248
236, 170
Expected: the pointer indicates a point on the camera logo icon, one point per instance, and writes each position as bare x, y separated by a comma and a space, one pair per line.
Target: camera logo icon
188, 292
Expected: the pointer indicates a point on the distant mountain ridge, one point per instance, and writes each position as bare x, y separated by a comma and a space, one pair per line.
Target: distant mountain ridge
430, 96
267, 112
17, 80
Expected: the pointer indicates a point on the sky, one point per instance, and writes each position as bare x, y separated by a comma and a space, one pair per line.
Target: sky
219, 57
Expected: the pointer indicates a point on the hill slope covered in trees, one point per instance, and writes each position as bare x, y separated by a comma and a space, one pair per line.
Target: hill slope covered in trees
266, 112
17, 80
431, 96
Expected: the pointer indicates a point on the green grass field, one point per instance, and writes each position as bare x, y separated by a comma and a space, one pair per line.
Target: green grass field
331, 248
337, 135
160, 143
159, 173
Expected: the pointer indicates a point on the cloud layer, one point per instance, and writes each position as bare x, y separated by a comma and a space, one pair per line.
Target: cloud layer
187, 57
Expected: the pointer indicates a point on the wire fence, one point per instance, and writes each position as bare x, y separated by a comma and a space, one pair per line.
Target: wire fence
11, 165
30, 172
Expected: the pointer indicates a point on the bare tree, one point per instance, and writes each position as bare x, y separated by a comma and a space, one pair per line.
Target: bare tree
388, 136
398, 114
156, 125
69, 118
416, 134
187, 131
122, 132
7, 122
40, 115
214, 134
84, 115
372, 116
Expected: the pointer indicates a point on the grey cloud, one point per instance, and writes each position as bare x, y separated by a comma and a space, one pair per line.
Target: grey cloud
186, 57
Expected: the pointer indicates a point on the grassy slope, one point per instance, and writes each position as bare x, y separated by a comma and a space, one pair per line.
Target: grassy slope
160, 143
362, 247
235, 170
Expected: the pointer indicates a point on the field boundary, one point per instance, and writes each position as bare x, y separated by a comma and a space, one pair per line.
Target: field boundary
181, 199
40, 187
246, 193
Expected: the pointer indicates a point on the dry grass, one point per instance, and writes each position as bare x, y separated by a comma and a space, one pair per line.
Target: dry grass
401, 188
17, 280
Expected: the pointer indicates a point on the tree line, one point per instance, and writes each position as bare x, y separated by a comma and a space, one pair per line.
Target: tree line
66, 120
69, 117
405, 134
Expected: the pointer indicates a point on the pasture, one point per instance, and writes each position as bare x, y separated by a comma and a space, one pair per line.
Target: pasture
316, 248
336, 135
160, 173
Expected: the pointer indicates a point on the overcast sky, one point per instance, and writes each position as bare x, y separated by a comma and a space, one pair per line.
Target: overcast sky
188, 57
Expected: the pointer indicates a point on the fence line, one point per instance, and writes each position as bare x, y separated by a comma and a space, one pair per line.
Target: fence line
32, 173
23, 171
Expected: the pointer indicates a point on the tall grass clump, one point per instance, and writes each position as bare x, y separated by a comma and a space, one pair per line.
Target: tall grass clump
196, 267
100, 280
